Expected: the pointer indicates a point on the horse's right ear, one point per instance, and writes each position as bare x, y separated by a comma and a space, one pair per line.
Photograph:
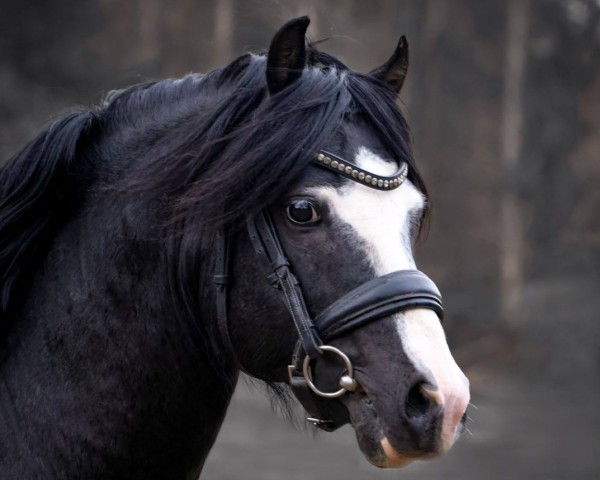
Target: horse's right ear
287, 55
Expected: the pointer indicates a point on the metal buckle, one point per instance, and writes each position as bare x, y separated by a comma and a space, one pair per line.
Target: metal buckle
326, 425
347, 382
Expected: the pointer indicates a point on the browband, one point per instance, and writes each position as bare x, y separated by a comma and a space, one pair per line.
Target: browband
354, 172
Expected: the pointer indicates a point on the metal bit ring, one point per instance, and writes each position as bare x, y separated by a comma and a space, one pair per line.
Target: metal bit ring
308, 374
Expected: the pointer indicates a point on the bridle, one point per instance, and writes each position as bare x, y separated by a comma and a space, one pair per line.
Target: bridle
380, 297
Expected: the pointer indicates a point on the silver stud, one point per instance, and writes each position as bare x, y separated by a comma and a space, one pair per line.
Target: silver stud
380, 183
320, 157
355, 173
341, 167
386, 184
368, 178
335, 163
348, 383
374, 181
348, 170
327, 161
361, 176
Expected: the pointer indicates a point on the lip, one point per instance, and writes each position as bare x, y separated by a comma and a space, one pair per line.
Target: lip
371, 437
367, 427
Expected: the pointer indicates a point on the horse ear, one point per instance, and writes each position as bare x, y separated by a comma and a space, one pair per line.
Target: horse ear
393, 72
287, 55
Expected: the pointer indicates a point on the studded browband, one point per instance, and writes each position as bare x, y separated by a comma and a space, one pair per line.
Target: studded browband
354, 172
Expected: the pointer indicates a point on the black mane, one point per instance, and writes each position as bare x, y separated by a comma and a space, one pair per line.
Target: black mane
39, 189
211, 149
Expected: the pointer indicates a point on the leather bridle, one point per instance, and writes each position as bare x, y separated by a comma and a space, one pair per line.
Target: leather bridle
378, 298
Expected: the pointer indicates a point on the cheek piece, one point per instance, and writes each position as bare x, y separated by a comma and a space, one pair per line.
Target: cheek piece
376, 299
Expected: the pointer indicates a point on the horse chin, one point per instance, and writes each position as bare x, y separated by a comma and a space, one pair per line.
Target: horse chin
370, 435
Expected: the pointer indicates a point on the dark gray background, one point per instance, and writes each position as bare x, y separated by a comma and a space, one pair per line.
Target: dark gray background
503, 97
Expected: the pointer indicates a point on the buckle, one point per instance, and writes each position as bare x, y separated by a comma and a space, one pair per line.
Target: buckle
326, 425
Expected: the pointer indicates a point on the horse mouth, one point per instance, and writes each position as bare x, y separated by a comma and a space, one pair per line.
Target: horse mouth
370, 433
372, 439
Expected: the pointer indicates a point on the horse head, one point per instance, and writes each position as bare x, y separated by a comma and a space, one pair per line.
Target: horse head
346, 228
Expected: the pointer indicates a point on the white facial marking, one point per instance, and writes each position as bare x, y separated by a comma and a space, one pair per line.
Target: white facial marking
425, 345
382, 219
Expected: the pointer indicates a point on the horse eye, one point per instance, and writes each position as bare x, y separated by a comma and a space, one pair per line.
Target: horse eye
302, 212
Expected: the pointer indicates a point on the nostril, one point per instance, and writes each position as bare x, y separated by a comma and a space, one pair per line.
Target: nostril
421, 400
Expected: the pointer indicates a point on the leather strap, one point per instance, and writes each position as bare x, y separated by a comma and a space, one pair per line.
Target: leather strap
378, 298
335, 415
267, 246
221, 281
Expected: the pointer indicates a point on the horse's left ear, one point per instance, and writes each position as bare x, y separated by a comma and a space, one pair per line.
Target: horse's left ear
393, 72
287, 55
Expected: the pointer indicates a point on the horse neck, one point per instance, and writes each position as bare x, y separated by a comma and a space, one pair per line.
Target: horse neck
97, 374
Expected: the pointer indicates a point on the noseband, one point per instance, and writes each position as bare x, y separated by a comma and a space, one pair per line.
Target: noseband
378, 298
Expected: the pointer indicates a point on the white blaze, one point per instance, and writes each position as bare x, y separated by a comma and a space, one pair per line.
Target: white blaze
382, 219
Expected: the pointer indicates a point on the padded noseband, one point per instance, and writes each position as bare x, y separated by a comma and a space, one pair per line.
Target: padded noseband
379, 298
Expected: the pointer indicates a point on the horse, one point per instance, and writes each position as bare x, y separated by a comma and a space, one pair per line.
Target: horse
259, 218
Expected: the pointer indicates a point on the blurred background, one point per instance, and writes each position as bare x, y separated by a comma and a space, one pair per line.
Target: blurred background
503, 97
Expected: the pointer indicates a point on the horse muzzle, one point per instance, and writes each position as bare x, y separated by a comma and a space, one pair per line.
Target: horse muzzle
429, 408
414, 410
